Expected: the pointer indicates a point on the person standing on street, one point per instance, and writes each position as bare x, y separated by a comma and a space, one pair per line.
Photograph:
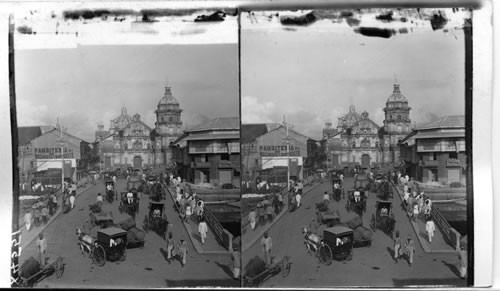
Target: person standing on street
72, 201
267, 245
45, 214
41, 245
298, 197
269, 212
410, 249
36, 215
27, 220
430, 227
252, 217
397, 246
462, 256
203, 229
262, 214
236, 258
170, 246
280, 202
183, 248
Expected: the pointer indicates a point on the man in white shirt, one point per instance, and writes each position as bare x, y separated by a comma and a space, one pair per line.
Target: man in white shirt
130, 197
430, 227
99, 198
267, 245
357, 196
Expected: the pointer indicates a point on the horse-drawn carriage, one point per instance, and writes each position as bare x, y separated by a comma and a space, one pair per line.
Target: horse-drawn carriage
31, 272
98, 217
384, 190
110, 190
109, 245
362, 182
383, 218
257, 272
340, 240
156, 219
355, 202
129, 203
338, 188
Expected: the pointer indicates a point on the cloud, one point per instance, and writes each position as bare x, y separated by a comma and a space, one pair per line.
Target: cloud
254, 111
29, 114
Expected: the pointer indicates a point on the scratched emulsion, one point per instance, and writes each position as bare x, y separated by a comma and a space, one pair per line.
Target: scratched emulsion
67, 28
384, 23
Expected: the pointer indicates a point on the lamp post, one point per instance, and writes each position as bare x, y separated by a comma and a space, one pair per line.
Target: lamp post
287, 139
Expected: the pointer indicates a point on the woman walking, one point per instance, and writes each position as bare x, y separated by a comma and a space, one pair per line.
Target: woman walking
170, 246
397, 246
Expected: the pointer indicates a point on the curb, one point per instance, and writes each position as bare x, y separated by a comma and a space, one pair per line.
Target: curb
56, 215
249, 244
416, 229
198, 249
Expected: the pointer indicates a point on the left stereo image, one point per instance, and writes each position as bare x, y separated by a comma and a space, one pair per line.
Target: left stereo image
128, 147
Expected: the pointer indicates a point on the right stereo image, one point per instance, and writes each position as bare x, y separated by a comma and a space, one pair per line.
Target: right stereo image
354, 148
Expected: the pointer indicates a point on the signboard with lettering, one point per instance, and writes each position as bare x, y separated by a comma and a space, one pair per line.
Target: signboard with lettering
278, 151
52, 153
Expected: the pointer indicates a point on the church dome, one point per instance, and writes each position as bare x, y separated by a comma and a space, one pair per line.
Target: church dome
168, 98
396, 95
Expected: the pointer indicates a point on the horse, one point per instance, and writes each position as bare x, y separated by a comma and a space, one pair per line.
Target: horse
85, 241
311, 240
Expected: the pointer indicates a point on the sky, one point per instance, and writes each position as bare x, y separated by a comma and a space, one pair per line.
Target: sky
313, 74
88, 85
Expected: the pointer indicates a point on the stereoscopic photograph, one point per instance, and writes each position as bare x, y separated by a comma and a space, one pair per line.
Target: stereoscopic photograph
354, 148
128, 147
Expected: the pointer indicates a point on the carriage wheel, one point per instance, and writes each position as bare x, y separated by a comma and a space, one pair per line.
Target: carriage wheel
285, 267
59, 267
99, 255
325, 254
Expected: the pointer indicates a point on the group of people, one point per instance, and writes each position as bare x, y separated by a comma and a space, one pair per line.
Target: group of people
41, 212
266, 210
409, 248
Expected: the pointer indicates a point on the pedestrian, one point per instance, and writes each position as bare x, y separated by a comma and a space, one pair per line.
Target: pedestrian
430, 227
462, 256
300, 187
326, 197
114, 179
252, 217
427, 208
293, 202
189, 211
298, 197
99, 198
203, 229
397, 246
415, 212
72, 200
405, 198
410, 249
236, 258
73, 189
44, 214
183, 248
280, 200
269, 212
199, 211
41, 245
420, 202
170, 246
276, 205
262, 214
36, 216
28, 217
267, 245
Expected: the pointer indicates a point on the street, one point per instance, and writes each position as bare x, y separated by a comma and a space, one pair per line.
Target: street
371, 266
143, 268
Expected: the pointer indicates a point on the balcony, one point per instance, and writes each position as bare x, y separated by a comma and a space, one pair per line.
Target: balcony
453, 163
202, 165
224, 165
433, 163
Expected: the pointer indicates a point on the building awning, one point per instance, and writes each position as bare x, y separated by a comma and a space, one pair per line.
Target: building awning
427, 135
207, 136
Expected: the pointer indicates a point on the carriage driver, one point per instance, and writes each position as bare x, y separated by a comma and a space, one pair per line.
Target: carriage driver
384, 211
130, 197
357, 196
156, 213
109, 187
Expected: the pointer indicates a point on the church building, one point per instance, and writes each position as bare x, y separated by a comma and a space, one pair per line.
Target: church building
358, 141
131, 143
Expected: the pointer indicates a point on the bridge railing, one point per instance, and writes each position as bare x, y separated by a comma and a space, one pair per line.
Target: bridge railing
450, 234
222, 235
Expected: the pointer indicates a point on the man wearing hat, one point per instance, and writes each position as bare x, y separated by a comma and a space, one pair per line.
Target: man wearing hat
252, 216
267, 245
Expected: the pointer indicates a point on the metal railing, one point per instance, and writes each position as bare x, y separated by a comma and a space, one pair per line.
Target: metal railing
222, 235
450, 234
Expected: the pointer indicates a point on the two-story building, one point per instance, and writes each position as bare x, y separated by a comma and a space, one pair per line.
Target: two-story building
210, 153
436, 151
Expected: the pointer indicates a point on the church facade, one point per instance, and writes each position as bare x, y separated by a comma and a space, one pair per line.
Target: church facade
131, 143
358, 141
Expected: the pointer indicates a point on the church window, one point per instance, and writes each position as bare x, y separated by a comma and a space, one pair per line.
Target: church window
399, 117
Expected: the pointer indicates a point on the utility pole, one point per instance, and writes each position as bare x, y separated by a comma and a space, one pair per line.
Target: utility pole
287, 154
61, 140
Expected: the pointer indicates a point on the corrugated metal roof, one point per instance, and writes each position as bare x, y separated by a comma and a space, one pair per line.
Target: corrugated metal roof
28, 133
208, 136
249, 132
218, 124
450, 121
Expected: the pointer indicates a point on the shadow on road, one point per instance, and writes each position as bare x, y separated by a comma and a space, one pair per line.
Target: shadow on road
452, 267
164, 253
225, 268
391, 252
